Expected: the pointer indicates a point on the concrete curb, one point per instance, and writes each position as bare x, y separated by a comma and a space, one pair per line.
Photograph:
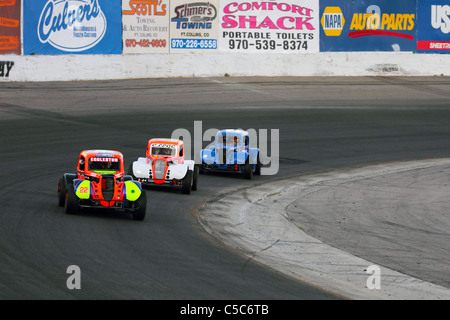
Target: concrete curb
254, 222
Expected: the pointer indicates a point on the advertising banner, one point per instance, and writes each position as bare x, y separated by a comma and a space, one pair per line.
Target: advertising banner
376, 25
194, 26
145, 26
284, 26
433, 26
72, 26
10, 27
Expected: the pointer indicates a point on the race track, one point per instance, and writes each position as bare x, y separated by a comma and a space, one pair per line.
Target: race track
324, 123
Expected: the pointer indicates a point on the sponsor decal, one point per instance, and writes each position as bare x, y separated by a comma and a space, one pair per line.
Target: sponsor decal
145, 26
377, 25
72, 26
10, 26
434, 26
332, 21
104, 160
194, 26
5, 68
61, 22
269, 26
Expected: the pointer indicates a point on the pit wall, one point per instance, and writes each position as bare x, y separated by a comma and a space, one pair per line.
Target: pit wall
102, 67
65, 40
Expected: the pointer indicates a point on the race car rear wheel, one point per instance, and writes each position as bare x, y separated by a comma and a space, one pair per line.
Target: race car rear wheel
139, 214
71, 205
187, 182
195, 178
61, 192
248, 171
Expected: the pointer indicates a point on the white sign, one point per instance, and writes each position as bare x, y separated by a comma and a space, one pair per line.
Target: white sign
145, 25
72, 25
269, 26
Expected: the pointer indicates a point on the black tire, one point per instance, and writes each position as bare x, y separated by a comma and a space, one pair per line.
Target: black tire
139, 214
61, 192
187, 182
196, 176
258, 166
248, 171
71, 203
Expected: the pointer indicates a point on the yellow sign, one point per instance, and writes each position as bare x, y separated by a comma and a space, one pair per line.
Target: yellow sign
332, 21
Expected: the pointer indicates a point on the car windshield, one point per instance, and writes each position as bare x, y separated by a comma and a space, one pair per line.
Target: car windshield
163, 150
104, 164
228, 140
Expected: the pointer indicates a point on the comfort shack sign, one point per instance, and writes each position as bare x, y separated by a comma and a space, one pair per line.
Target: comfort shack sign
269, 26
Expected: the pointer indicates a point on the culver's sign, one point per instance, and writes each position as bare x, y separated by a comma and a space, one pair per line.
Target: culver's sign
71, 26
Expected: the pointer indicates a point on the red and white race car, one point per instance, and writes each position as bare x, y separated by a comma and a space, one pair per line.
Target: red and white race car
164, 164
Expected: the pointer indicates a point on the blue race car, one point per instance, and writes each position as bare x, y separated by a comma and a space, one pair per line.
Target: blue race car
231, 153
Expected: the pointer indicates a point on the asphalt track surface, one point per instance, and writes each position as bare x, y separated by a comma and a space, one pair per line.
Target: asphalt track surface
324, 123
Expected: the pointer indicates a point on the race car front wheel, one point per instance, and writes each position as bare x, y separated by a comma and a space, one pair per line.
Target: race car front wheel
139, 214
61, 192
71, 205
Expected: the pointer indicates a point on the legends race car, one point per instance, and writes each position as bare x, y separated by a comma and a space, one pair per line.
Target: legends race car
164, 164
231, 153
100, 183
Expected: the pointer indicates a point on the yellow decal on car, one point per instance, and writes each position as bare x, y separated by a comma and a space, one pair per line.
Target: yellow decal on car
83, 190
133, 191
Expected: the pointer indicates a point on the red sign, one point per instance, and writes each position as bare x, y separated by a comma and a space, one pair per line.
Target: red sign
10, 26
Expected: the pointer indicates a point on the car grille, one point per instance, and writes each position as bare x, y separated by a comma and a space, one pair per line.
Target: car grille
160, 168
108, 187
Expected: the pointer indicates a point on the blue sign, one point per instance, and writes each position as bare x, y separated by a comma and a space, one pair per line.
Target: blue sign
72, 26
433, 26
376, 25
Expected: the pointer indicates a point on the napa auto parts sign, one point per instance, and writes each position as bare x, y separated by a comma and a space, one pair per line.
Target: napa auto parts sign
433, 34
285, 26
72, 26
375, 25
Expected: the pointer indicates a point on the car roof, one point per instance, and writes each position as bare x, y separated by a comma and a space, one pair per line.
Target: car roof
233, 132
165, 140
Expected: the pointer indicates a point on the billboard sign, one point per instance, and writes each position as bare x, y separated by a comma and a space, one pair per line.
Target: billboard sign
286, 26
72, 26
194, 26
10, 27
433, 34
145, 26
376, 25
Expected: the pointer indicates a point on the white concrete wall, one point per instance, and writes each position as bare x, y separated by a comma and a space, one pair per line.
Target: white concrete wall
101, 67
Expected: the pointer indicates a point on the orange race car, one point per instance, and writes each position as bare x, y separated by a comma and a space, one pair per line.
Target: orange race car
164, 164
100, 182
